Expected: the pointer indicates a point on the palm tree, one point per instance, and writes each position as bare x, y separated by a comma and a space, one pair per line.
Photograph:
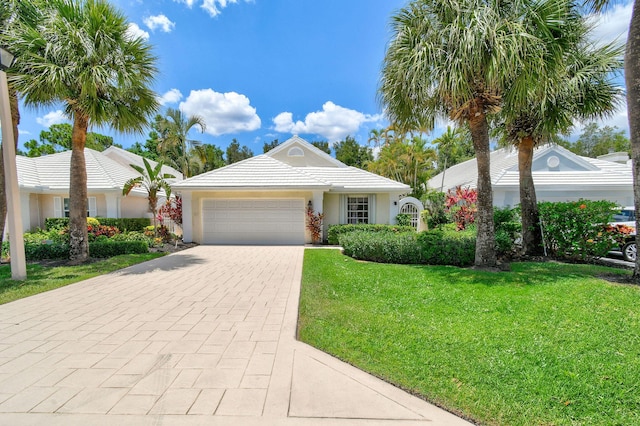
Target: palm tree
79, 53
174, 143
153, 181
454, 59
575, 83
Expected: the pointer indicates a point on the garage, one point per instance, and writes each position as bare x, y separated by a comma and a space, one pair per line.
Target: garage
253, 221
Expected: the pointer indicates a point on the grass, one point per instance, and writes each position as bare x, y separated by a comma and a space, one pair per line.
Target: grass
45, 278
544, 344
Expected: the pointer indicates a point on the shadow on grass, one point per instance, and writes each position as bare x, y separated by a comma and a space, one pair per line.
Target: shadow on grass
166, 263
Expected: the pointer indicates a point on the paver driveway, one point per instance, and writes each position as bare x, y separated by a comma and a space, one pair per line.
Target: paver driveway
204, 336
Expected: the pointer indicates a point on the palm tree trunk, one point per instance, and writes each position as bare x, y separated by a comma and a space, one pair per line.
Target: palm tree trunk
79, 252
15, 119
485, 242
531, 234
632, 80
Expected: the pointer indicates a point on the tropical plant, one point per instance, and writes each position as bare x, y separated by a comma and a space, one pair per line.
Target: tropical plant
80, 54
574, 81
314, 224
174, 144
455, 59
153, 181
407, 161
453, 146
461, 205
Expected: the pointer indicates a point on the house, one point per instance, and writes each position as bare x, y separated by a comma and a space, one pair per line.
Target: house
263, 200
558, 175
44, 186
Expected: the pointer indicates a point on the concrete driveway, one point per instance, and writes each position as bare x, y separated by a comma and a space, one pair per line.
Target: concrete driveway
203, 336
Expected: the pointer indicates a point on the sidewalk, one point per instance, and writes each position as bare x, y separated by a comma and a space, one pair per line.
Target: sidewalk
203, 336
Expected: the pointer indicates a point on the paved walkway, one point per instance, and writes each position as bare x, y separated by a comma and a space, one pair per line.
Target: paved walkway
203, 336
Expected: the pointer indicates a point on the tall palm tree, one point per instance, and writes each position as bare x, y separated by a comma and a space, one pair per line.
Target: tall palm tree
174, 143
79, 54
153, 181
454, 59
576, 82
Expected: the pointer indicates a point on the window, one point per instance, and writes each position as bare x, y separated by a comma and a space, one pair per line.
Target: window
296, 151
61, 207
358, 209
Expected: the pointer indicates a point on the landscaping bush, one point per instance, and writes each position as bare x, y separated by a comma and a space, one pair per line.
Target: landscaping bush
134, 236
383, 247
52, 223
335, 231
443, 246
46, 250
115, 248
403, 219
127, 224
507, 228
577, 229
434, 213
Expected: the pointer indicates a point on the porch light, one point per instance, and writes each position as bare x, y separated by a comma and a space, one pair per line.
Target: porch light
310, 205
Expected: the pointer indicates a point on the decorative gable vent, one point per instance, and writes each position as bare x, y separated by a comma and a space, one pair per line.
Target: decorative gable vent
296, 151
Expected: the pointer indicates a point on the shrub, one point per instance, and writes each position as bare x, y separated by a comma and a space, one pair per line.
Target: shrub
314, 225
507, 228
461, 206
101, 231
335, 231
92, 221
577, 229
133, 236
115, 248
445, 247
403, 219
45, 250
434, 213
127, 224
52, 223
381, 247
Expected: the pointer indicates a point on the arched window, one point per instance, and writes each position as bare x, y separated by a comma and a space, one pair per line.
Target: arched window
296, 151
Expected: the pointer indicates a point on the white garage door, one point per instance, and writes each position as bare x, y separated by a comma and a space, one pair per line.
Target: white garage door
255, 221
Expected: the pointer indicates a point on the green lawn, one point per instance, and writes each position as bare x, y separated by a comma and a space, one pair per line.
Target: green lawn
544, 344
42, 278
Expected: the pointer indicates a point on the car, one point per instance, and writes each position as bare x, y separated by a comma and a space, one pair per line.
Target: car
627, 217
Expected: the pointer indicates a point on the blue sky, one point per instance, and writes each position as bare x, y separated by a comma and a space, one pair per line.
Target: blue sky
257, 70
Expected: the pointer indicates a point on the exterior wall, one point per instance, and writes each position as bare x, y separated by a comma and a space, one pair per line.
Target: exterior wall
331, 210
134, 207
309, 159
503, 198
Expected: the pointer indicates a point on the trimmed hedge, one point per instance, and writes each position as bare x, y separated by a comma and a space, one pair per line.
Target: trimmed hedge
436, 247
115, 248
42, 251
335, 231
442, 247
124, 224
383, 247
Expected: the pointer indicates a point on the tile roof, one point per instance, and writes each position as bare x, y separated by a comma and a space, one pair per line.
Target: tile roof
265, 172
51, 172
504, 172
127, 158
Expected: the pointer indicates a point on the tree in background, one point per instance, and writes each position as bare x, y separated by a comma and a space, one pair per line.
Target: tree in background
268, 146
407, 161
453, 147
150, 147
58, 139
322, 145
236, 153
211, 157
80, 54
595, 141
174, 144
351, 153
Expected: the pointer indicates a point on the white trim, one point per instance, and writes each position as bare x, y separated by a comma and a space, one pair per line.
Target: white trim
57, 207
92, 207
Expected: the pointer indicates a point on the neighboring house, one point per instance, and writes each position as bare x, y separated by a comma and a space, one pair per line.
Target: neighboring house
44, 187
263, 200
126, 158
558, 174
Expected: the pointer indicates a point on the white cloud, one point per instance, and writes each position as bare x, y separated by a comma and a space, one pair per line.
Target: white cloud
134, 31
222, 112
333, 122
170, 97
159, 21
54, 117
189, 3
612, 25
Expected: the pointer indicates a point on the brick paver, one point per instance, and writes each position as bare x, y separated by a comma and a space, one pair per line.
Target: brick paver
203, 333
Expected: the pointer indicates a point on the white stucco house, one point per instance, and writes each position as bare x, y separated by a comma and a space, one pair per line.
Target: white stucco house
558, 175
263, 200
44, 186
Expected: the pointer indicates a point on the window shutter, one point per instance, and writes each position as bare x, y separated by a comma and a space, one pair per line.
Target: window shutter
57, 206
93, 210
